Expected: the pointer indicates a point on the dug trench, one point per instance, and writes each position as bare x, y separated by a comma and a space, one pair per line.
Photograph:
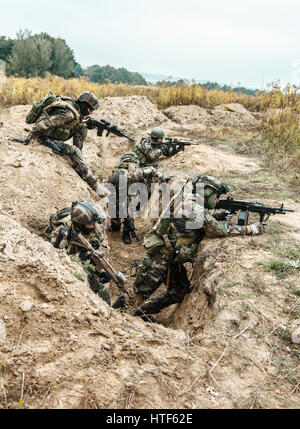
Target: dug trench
227, 345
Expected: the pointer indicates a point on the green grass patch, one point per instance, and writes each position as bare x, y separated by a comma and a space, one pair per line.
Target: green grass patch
79, 276
88, 267
277, 267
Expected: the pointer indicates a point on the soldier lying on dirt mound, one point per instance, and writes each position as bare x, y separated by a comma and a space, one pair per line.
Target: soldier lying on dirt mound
56, 120
147, 152
130, 171
82, 218
171, 243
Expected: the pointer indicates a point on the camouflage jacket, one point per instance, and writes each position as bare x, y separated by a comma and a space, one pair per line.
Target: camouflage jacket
61, 123
136, 174
61, 238
147, 153
187, 229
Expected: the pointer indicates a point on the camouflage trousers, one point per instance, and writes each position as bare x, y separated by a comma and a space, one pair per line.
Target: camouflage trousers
75, 156
151, 273
98, 287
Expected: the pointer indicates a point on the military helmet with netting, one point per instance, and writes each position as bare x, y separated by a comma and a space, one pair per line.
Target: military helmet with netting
89, 98
212, 183
85, 213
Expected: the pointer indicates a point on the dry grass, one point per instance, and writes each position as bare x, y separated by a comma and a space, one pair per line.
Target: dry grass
16, 91
280, 143
281, 133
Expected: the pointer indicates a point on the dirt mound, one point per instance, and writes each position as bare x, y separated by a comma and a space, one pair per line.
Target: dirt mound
130, 112
229, 115
207, 160
187, 114
70, 347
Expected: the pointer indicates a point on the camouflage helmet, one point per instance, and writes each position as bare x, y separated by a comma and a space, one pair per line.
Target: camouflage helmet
129, 157
90, 99
84, 213
212, 183
157, 133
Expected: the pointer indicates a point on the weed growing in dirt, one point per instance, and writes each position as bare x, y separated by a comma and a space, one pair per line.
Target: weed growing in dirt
283, 248
79, 276
277, 267
75, 258
88, 267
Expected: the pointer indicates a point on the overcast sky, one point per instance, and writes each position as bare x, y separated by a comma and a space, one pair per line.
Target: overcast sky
249, 42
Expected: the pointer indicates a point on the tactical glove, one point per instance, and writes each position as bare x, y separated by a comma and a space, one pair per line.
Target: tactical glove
178, 149
256, 228
166, 150
23, 141
166, 179
222, 216
104, 277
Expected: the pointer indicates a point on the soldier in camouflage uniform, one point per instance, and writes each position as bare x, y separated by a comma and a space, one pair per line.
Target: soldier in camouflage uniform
129, 168
167, 249
62, 119
84, 218
147, 153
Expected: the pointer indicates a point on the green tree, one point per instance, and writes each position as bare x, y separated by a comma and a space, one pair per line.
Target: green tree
30, 55
33, 55
107, 73
62, 59
6, 46
77, 70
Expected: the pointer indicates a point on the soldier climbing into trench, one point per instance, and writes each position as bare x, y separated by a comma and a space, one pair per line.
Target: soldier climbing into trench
58, 119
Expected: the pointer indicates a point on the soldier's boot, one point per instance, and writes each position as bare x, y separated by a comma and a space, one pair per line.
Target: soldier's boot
115, 225
154, 306
126, 234
120, 302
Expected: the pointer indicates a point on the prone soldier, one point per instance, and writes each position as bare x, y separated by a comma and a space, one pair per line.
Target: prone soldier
153, 147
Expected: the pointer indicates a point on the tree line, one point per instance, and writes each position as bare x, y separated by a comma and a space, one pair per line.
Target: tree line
30, 55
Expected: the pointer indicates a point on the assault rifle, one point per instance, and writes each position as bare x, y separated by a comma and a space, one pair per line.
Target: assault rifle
245, 207
107, 126
102, 263
174, 144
